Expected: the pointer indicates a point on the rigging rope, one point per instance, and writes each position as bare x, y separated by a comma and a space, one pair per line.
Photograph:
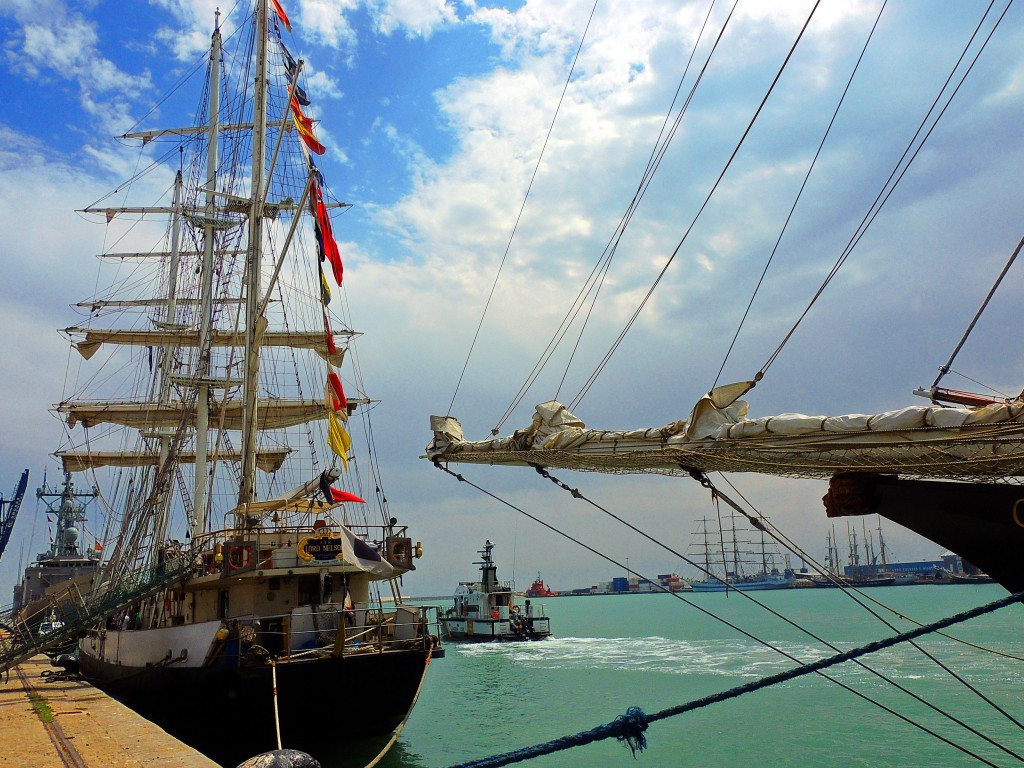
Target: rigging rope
851, 590
760, 524
890, 185
631, 727
522, 208
595, 280
1009, 263
577, 494
799, 194
657, 281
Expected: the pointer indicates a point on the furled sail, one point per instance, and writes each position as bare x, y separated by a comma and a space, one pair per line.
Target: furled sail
312, 340
918, 441
273, 414
79, 461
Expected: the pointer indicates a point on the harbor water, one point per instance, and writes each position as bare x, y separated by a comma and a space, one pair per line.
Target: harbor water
656, 651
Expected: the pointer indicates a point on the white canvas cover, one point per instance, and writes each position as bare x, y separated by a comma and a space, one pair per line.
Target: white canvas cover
922, 441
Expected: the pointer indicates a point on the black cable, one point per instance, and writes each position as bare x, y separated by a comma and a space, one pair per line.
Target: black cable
800, 192
759, 524
720, 619
657, 281
519, 216
886, 191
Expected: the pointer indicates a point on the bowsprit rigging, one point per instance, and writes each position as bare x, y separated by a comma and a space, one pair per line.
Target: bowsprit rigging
803, 667
953, 474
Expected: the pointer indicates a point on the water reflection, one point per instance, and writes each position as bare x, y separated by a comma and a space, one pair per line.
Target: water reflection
356, 753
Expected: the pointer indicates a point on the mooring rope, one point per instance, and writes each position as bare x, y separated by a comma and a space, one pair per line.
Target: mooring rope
764, 525
630, 728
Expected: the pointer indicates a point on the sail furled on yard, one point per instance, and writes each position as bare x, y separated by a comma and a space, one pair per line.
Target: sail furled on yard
268, 460
91, 340
917, 441
273, 414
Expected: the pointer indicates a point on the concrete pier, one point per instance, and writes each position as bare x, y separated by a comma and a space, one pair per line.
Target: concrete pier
46, 723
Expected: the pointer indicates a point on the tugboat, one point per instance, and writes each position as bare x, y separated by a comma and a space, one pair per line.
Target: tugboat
486, 610
539, 589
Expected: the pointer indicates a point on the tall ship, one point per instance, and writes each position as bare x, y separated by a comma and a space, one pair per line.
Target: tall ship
70, 567
487, 609
247, 581
873, 572
735, 557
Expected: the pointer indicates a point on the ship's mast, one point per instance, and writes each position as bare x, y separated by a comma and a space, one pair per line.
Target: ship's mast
68, 511
254, 322
881, 546
206, 291
167, 360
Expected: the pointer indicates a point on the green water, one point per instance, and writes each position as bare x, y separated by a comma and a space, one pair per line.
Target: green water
654, 651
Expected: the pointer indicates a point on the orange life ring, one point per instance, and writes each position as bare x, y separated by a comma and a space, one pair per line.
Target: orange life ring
239, 557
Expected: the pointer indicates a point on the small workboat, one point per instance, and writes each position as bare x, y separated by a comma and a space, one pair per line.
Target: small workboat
486, 609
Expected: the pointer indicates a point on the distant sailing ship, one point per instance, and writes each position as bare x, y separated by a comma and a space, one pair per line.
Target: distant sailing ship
732, 560
219, 577
873, 573
487, 610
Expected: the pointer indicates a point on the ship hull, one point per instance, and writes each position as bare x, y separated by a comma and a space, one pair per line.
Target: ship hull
981, 522
227, 712
485, 630
848, 584
741, 586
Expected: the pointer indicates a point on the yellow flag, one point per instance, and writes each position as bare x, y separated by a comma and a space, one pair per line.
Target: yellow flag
338, 438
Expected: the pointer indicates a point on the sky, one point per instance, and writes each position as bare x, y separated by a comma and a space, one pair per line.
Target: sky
437, 115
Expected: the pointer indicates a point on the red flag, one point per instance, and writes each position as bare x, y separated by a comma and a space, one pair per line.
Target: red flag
333, 494
337, 495
282, 15
304, 125
325, 235
305, 128
332, 348
339, 394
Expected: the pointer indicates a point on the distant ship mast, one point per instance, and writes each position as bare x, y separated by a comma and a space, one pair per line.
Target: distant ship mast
64, 505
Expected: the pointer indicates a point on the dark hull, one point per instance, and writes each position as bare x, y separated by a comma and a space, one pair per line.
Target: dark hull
520, 638
882, 581
981, 522
228, 712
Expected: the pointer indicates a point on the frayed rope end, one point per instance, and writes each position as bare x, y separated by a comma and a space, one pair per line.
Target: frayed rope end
631, 727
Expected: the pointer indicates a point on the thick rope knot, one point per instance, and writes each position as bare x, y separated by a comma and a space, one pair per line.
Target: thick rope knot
631, 727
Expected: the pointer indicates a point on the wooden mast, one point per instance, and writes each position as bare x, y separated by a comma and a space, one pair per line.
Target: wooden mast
255, 323
206, 292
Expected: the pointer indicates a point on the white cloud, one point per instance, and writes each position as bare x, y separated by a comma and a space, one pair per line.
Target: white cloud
420, 291
195, 21
321, 84
325, 22
416, 18
63, 44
